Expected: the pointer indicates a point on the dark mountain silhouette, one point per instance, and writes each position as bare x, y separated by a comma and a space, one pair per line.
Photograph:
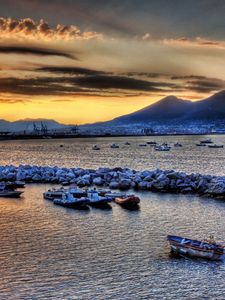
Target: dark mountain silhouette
27, 124
175, 110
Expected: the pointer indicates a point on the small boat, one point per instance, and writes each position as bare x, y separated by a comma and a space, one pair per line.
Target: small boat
95, 147
215, 146
11, 185
151, 143
127, 144
114, 146
68, 200
208, 141
193, 248
201, 145
162, 148
142, 145
10, 193
178, 145
58, 193
98, 201
130, 201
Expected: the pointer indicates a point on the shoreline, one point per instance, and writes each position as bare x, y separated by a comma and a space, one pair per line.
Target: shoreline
166, 181
47, 137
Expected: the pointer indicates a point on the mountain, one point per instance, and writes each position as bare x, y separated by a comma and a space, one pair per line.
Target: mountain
27, 124
174, 110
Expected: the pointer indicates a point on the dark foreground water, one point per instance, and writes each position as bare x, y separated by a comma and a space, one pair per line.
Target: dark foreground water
49, 252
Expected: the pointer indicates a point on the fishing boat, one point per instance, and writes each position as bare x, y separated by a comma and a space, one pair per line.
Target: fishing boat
142, 145
98, 201
130, 201
208, 141
68, 200
193, 248
114, 146
215, 146
201, 145
95, 147
162, 148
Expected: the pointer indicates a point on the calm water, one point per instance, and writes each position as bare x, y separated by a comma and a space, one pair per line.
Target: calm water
79, 153
49, 252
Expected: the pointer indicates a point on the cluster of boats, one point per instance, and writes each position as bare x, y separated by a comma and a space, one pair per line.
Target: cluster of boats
74, 197
209, 143
165, 146
9, 189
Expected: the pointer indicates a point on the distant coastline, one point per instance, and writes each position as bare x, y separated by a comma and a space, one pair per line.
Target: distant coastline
63, 136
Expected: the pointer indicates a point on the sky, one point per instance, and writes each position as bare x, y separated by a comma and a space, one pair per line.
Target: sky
85, 61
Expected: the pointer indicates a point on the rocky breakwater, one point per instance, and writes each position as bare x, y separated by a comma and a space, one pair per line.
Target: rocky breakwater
119, 178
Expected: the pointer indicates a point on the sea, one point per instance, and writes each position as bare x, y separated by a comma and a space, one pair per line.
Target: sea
52, 252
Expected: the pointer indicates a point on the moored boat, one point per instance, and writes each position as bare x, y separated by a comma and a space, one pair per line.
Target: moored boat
215, 146
58, 193
10, 193
114, 146
193, 248
208, 141
178, 145
130, 201
201, 145
151, 143
142, 145
95, 147
68, 200
162, 148
98, 201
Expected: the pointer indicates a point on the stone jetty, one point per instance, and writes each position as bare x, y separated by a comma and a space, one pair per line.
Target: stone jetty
119, 178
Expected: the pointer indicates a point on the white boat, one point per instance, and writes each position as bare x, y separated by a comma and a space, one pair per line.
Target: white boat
95, 147
114, 146
162, 148
98, 201
58, 193
68, 200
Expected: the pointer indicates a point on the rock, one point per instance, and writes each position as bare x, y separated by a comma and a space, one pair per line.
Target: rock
125, 184
114, 185
98, 181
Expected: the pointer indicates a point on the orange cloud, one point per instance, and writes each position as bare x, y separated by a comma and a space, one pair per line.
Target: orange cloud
28, 28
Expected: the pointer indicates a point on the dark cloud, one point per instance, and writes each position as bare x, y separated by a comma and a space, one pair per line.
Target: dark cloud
120, 82
70, 70
175, 77
34, 51
206, 85
95, 84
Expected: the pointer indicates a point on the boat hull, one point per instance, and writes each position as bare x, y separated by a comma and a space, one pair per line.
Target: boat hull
128, 202
195, 249
10, 194
78, 204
